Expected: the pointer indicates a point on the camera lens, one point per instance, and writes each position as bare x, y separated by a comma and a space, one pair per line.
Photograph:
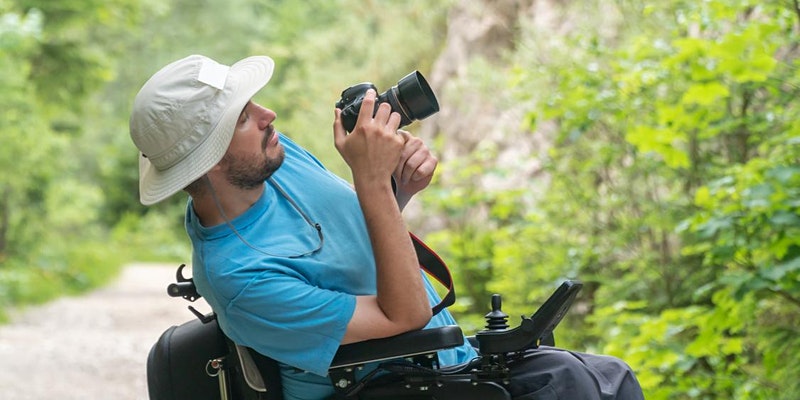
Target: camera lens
416, 97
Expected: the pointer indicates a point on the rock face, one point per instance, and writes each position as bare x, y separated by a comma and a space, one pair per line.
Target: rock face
478, 116
482, 28
470, 78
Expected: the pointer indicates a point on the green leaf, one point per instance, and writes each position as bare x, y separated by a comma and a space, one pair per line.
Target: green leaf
778, 272
702, 197
785, 219
784, 174
705, 94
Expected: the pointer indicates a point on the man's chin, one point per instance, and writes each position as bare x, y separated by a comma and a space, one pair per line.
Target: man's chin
274, 163
279, 158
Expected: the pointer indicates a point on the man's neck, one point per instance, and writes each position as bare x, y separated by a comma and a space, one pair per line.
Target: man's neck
223, 201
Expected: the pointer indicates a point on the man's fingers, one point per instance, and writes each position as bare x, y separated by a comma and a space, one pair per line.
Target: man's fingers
416, 161
394, 121
418, 166
367, 107
338, 129
408, 151
425, 170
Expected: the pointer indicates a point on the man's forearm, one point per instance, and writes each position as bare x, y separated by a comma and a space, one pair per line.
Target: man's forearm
401, 293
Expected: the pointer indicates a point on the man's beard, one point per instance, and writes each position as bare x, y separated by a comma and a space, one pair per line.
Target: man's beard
250, 172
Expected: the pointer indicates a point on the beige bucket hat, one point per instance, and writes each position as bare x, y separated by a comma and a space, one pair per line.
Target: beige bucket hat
184, 116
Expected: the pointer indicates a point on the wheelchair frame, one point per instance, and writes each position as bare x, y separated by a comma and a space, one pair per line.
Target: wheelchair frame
411, 357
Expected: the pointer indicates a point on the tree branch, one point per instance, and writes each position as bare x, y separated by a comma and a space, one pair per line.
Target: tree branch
797, 9
785, 294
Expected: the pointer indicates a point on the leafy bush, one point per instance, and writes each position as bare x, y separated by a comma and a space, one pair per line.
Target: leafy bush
672, 193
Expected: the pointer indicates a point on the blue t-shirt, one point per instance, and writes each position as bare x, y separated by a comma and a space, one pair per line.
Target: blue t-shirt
271, 291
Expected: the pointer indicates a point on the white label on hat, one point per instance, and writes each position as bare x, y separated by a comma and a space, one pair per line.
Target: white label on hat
213, 74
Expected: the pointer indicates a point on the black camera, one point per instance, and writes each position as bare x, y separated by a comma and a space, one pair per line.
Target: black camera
412, 98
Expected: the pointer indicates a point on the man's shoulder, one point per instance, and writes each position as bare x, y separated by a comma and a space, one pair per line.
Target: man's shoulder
295, 151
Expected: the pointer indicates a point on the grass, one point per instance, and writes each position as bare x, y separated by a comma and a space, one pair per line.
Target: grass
66, 268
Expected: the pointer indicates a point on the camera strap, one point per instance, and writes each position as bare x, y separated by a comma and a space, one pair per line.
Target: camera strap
431, 263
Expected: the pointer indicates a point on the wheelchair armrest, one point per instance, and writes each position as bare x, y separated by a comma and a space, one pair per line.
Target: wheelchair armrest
403, 345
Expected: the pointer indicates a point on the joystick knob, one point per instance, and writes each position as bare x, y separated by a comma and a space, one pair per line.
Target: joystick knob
496, 320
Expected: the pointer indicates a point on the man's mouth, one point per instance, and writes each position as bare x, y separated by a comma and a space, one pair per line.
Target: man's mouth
268, 134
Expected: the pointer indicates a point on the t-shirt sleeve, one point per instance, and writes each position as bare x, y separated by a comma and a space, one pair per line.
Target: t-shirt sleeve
284, 317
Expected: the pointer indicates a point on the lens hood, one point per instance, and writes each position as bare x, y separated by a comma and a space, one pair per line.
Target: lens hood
417, 97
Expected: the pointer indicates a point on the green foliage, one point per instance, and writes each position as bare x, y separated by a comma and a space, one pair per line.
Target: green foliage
50, 243
153, 237
712, 103
69, 70
748, 223
672, 192
59, 266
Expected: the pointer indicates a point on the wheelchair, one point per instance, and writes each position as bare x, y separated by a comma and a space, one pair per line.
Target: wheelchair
197, 361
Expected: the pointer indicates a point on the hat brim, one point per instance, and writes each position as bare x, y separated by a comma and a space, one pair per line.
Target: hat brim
245, 79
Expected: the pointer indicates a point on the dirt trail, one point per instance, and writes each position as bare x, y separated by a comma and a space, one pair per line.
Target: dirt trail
92, 347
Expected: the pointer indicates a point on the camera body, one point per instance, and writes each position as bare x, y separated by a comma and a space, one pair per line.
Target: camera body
412, 98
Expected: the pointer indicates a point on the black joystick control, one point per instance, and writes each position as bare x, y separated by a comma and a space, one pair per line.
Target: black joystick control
496, 320
534, 330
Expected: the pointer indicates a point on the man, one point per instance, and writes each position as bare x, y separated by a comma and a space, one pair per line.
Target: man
293, 259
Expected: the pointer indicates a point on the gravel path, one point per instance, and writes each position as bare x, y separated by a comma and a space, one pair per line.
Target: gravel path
94, 346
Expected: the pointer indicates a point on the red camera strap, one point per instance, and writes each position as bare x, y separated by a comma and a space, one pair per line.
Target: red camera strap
431, 263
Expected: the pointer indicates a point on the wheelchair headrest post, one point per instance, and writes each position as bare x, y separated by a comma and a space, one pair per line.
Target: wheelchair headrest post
184, 287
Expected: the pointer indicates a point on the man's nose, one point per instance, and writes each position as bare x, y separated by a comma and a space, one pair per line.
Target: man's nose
265, 117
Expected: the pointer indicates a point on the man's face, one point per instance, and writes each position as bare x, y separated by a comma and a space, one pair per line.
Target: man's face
255, 152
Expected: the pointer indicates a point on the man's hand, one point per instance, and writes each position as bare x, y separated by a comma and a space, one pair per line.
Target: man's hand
415, 169
373, 149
